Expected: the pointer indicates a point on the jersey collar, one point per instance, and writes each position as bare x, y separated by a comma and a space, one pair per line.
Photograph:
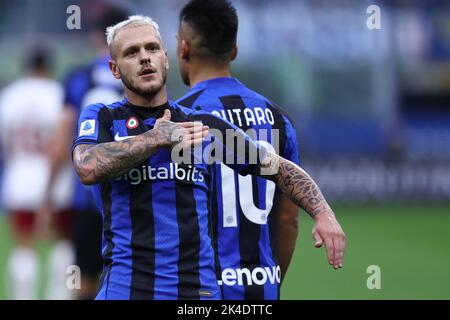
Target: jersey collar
147, 112
222, 80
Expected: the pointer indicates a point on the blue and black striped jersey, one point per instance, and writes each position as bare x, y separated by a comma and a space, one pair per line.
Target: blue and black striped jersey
157, 228
245, 207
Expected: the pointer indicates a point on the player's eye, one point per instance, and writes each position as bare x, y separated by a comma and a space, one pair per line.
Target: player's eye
152, 47
130, 52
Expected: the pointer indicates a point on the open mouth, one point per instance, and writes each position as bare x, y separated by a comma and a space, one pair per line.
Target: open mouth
147, 72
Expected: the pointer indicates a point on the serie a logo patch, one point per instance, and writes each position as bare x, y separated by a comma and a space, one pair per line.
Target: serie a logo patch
87, 128
132, 123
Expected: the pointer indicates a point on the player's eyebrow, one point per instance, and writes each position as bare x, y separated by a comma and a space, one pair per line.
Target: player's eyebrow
130, 48
136, 47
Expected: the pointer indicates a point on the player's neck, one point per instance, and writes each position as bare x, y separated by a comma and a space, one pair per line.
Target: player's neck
154, 101
208, 72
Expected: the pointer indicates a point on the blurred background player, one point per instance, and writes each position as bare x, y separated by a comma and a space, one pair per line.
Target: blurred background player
28, 120
255, 226
86, 85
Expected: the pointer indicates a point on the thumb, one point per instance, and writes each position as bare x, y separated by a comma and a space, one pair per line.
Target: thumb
166, 116
318, 241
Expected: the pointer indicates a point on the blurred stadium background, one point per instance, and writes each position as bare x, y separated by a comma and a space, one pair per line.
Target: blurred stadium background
372, 110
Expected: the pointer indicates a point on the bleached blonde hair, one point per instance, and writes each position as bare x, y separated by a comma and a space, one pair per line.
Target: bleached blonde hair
132, 21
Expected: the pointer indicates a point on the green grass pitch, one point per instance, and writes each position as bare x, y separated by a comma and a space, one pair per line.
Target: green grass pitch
410, 244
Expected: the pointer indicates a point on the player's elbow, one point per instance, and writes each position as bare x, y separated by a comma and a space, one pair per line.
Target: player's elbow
85, 173
87, 181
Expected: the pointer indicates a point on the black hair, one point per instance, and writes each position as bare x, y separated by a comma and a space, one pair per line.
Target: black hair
216, 22
38, 59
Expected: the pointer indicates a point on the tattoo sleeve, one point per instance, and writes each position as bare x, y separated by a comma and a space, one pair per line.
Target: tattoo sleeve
106, 161
297, 185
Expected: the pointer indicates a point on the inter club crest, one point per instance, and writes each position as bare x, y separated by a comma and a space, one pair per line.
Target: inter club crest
132, 123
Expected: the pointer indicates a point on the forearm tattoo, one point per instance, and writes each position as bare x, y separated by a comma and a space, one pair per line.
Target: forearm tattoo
106, 161
299, 187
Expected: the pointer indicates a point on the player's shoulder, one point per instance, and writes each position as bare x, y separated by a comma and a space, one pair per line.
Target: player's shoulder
190, 98
250, 93
188, 112
235, 88
276, 109
268, 102
104, 113
197, 114
238, 88
96, 107
280, 110
93, 108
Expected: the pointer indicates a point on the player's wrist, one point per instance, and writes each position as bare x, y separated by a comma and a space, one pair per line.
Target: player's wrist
325, 214
157, 138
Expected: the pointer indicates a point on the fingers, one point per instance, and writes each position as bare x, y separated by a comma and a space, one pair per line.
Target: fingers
166, 116
318, 241
338, 238
343, 251
191, 133
340, 249
337, 248
195, 128
189, 136
188, 124
192, 126
195, 142
334, 238
195, 138
330, 250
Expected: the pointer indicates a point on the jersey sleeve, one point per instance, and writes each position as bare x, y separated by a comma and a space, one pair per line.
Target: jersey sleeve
94, 125
290, 151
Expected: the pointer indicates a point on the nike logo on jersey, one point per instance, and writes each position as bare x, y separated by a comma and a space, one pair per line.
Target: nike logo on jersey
117, 137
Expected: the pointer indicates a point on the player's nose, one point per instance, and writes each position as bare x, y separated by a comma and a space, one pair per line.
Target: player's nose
144, 56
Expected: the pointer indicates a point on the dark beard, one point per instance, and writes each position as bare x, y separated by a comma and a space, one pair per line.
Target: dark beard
147, 94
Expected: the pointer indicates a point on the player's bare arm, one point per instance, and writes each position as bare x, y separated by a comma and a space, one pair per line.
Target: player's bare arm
303, 191
287, 232
106, 161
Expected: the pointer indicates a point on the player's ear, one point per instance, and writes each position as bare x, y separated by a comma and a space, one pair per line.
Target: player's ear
185, 50
114, 68
234, 52
167, 59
